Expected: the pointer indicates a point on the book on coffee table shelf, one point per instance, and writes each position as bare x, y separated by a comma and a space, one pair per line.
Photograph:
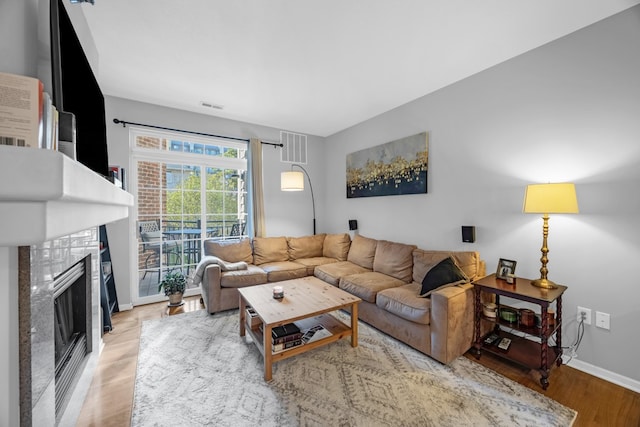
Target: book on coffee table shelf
315, 333
287, 338
277, 348
283, 330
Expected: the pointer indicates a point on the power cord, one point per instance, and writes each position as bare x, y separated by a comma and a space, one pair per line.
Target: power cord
574, 347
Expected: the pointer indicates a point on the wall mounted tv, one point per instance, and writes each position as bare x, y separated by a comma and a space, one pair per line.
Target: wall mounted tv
76, 90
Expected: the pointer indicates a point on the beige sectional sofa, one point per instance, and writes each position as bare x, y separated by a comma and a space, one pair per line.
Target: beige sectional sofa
386, 275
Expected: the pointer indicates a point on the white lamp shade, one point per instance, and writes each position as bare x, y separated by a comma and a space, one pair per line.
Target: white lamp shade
292, 181
550, 198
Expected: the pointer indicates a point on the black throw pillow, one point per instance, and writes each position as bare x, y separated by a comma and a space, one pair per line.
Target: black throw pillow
445, 273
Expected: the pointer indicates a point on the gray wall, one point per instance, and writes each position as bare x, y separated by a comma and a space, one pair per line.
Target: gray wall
287, 213
18, 55
567, 111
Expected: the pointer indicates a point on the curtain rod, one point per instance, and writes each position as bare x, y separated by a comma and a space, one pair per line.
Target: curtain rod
275, 144
124, 124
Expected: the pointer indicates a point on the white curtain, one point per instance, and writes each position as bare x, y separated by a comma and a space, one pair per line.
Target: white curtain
256, 193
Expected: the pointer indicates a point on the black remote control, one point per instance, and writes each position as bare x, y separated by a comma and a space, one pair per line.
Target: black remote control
491, 339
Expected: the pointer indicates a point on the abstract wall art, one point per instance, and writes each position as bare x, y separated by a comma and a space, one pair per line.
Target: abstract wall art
395, 168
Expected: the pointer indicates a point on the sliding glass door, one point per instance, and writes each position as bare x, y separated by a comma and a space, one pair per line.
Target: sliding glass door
187, 191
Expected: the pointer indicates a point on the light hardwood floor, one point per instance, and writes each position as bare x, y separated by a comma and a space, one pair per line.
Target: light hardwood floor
110, 398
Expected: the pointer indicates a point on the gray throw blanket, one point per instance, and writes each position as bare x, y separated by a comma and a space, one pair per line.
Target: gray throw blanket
208, 260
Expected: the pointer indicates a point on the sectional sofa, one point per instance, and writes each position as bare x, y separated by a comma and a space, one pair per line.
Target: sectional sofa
387, 276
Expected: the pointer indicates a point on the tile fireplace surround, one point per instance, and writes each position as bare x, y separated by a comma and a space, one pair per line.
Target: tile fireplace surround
38, 265
51, 213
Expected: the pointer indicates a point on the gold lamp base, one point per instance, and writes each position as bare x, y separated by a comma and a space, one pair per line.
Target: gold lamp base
544, 283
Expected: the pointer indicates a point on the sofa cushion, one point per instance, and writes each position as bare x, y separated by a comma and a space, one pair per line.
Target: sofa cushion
445, 273
312, 263
283, 270
362, 251
230, 250
240, 278
270, 249
332, 273
394, 259
367, 285
336, 246
423, 261
404, 302
305, 247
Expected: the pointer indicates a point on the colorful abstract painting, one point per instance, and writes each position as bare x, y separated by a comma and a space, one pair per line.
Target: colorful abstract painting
397, 167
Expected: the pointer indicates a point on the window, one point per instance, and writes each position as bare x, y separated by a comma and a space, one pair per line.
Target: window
187, 189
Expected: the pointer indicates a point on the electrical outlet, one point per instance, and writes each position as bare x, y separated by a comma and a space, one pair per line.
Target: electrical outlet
587, 311
603, 320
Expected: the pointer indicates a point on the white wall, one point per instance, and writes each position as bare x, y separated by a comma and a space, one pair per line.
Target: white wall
568, 111
286, 213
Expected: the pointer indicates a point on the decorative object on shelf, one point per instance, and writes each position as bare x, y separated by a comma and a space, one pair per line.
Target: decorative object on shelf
489, 309
506, 269
547, 199
508, 315
173, 284
551, 317
294, 181
395, 168
527, 317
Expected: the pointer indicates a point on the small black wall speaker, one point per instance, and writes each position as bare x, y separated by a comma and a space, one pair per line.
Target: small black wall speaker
468, 233
353, 224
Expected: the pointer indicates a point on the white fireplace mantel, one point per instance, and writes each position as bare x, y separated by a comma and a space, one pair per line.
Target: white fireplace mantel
45, 194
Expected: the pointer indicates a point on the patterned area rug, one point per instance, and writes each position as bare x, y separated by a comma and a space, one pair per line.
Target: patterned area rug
195, 370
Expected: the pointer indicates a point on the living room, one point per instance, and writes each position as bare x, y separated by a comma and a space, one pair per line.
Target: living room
547, 115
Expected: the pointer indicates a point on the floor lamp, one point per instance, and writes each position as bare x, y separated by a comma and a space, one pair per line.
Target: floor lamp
294, 181
546, 199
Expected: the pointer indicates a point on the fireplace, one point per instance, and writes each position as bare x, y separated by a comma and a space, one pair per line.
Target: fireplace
53, 207
72, 327
59, 324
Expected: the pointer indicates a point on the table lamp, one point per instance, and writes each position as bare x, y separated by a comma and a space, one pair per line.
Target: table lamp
294, 181
546, 199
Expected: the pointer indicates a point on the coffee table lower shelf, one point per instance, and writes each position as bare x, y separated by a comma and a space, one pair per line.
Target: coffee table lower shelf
338, 330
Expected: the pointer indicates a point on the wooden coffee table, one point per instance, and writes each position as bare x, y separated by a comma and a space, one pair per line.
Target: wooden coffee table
307, 302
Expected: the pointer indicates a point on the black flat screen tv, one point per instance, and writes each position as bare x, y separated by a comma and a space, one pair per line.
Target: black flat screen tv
76, 90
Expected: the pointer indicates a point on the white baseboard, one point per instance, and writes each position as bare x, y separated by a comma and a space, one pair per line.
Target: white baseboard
606, 375
125, 307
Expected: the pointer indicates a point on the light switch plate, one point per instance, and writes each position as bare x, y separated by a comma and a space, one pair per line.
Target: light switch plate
603, 320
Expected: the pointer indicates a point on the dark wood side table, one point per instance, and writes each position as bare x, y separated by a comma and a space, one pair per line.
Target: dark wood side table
524, 351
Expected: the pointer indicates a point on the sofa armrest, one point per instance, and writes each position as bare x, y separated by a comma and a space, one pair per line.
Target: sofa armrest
211, 289
452, 322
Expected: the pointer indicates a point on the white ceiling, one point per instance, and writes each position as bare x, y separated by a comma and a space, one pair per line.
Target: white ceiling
315, 67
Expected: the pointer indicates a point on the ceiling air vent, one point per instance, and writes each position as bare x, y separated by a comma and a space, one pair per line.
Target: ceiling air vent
294, 147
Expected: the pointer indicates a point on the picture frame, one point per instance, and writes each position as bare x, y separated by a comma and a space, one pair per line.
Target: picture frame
506, 267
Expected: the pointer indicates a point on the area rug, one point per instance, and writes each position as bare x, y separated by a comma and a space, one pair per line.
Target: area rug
195, 370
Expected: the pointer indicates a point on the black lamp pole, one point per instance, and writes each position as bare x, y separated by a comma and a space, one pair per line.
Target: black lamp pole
313, 200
